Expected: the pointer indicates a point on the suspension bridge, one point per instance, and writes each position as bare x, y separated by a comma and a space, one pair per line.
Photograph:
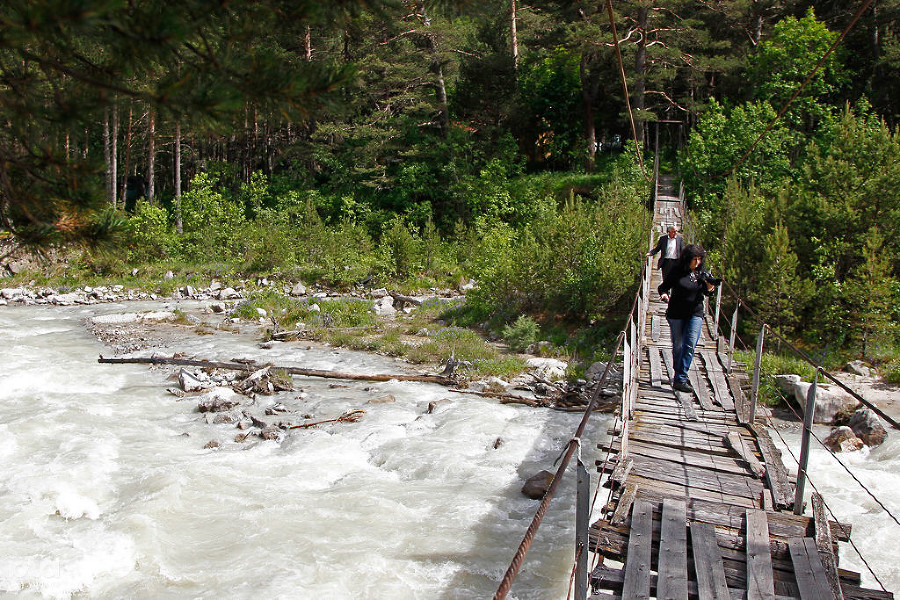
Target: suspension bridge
700, 504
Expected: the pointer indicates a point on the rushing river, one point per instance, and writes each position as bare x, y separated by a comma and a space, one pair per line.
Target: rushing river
107, 490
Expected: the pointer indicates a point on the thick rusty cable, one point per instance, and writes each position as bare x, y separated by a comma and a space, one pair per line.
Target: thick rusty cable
519, 557
796, 93
637, 143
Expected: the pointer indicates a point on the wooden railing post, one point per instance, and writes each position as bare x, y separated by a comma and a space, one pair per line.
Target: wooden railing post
718, 307
757, 364
582, 525
734, 318
804, 445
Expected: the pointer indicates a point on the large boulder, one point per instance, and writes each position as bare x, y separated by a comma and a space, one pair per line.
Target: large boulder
858, 367
550, 369
830, 400
537, 485
842, 439
868, 427
384, 307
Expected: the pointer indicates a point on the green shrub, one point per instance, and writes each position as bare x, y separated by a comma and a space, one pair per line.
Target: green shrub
521, 334
147, 234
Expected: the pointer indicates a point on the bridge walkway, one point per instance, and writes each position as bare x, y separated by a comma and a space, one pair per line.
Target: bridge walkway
701, 504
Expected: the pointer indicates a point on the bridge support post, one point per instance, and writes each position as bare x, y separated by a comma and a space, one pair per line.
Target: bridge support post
804, 445
718, 306
731, 337
582, 524
754, 391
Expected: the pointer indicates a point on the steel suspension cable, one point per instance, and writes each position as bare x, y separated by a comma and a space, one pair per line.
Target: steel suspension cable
571, 445
796, 93
637, 143
813, 485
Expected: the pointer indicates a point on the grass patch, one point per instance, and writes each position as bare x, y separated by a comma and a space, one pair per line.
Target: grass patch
771, 365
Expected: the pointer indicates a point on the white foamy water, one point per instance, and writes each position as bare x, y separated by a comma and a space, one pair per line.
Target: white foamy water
874, 531
106, 490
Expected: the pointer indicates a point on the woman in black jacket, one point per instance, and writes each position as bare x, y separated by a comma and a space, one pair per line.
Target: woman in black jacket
684, 288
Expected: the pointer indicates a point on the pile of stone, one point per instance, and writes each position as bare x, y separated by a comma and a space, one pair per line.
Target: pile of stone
863, 429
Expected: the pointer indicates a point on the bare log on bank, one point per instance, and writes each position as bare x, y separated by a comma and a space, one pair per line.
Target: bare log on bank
253, 366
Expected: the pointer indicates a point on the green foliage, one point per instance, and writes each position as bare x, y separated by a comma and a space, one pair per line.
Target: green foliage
148, 235
578, 260
521, 334
210, 220
783, 62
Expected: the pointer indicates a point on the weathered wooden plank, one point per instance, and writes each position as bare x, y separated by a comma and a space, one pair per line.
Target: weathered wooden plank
825, 545
760, 584
655, 327
697, 478
735, 440
672, 568
808, 569
687, 405
776, 474
697, 382
676, 490
740, 400
677, 441
637, 563
655, 367
714, 427
717, 378
623, 507
686, 456
708, 565
623, 468
666, 352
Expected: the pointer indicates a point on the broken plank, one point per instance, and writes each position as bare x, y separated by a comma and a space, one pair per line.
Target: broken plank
776, 474
738, 444
808, 569
760, 584
687, 405
825, 545
672, 569
623, 507
708, 563
655, 366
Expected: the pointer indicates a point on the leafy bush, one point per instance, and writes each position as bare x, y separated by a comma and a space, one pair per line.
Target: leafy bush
148, 235
521, 334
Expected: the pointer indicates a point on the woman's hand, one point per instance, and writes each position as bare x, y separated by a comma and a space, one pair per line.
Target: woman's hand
664, 297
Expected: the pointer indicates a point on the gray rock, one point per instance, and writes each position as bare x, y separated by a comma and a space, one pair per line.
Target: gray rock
842, 439
868, 427
858, 367
218, 399
299, 289
386, 399
830, 400
537, 485
384, 307
547, 368
378, 293
190, 382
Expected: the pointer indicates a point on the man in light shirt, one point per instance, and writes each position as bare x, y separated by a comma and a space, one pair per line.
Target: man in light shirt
670, 245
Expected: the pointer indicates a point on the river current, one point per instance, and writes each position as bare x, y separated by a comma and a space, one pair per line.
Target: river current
108, 490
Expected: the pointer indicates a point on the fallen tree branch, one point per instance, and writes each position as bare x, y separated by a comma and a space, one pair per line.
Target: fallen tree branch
252, 366
351, 416
506, 398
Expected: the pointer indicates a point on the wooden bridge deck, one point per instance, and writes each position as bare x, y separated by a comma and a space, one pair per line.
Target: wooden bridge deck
702, 505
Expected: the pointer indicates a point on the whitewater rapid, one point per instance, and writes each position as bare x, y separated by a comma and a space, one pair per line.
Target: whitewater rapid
108, 490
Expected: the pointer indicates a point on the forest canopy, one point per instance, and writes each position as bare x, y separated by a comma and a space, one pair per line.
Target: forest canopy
354, 140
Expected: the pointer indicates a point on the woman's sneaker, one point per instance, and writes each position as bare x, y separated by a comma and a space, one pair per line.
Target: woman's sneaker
683, 386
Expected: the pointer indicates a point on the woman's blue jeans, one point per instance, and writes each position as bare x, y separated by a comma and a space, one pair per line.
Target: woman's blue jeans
685, 334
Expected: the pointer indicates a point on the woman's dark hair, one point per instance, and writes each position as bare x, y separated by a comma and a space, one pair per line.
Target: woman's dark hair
690, 251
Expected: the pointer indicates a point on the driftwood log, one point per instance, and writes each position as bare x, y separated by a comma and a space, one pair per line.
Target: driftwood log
252, 366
